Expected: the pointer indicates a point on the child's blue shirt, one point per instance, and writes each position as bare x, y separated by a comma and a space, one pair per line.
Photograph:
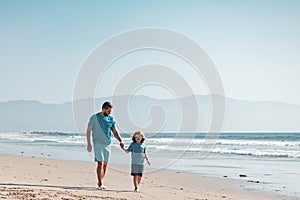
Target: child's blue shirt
137, 153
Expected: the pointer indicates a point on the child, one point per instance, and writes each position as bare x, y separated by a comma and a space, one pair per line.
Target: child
138, 154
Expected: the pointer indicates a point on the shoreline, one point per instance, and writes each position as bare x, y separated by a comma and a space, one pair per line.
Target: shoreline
38, 178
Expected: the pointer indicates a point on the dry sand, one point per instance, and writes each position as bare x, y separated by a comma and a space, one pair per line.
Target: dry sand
35, 178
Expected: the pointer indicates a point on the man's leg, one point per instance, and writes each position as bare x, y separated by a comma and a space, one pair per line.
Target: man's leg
104, 165
99, 174
101, 170
105, 158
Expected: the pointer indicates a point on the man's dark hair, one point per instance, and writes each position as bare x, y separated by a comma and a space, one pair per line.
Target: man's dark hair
106, 105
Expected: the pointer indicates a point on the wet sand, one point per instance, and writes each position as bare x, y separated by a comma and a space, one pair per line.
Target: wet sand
36, 178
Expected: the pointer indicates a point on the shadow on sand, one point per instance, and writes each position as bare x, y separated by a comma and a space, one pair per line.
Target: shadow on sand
61, 187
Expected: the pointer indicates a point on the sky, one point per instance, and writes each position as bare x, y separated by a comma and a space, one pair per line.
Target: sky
255, 45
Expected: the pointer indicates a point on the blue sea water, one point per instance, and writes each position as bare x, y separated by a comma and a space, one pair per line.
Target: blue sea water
273, 159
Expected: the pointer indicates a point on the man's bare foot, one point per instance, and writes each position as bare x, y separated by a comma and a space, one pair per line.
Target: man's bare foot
101, 187
136, 190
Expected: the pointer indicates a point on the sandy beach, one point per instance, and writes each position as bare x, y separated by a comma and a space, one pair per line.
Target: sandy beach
37, 178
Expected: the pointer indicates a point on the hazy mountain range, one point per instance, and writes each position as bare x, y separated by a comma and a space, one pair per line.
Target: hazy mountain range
23, 115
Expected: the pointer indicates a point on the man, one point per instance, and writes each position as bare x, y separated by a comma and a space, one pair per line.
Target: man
101, 124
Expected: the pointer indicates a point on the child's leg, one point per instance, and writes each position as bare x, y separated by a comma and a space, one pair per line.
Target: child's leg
139, 178
135, 183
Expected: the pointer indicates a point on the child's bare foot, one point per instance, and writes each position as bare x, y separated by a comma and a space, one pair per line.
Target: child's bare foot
136, 190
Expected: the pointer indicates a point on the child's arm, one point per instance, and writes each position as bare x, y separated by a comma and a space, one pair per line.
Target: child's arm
125, 149
146, 157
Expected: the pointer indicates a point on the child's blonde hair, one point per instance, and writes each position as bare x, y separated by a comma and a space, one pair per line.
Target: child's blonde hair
138, 133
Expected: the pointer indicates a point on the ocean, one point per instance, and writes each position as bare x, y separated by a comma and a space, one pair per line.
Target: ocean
270, 159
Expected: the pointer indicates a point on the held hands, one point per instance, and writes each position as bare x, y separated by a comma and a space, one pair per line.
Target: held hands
148, 162
122, 145
89, 148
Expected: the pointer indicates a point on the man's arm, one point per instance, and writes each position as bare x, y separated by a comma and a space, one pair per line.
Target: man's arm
88, 138
117, 135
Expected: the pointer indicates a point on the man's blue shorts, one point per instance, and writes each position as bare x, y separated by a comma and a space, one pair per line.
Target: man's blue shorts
101, 152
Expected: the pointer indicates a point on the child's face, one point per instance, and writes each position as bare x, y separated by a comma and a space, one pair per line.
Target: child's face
138, 138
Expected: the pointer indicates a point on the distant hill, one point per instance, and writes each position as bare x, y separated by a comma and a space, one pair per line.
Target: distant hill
241, 115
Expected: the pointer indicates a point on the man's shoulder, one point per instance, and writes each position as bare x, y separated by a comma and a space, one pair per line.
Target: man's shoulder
111, 117
93, 116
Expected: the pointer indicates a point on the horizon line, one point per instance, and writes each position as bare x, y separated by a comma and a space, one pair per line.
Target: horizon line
164, 99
